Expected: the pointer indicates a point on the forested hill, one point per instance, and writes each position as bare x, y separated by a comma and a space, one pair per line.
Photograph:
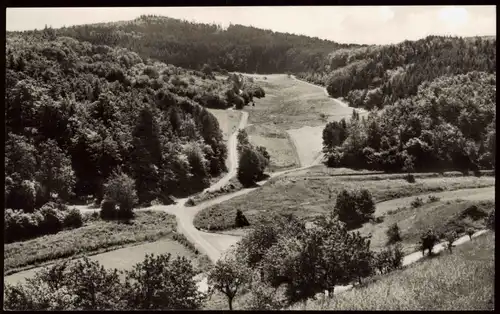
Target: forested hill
76, 112
191, 45
377, 76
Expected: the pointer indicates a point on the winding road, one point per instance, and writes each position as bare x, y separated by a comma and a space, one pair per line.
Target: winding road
212, 244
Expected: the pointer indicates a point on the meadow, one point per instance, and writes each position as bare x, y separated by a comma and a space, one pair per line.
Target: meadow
98, 236
308, 196
290, 104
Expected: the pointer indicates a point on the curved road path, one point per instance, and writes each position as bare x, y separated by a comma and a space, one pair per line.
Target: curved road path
212, 244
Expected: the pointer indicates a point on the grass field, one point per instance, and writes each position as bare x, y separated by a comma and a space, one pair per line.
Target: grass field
463, 280
308, 142
94, 237
289, 104
307, 197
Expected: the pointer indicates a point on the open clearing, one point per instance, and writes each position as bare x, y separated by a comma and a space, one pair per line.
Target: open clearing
309, 143
291, 105
463, 280
307, 198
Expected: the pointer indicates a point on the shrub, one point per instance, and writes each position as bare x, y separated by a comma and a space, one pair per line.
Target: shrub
108, 210
417, 202
433, 198
190, 202
73, 219
53, 219
410, 178
389, 259
427, 241
354, 208
393, 234
365, 203
240, 220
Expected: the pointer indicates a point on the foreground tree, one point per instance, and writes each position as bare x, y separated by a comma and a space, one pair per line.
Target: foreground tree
162, 282
228, 276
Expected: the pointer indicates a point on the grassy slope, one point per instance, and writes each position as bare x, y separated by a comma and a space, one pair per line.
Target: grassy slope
289, 104
463, 280
307, 197
94, 237
438, 216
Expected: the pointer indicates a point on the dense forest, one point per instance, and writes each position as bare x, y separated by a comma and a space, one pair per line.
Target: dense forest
377, 76
448, 124
76, 112
191, 45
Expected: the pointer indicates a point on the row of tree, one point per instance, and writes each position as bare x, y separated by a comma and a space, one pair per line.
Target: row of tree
191, 45
448, 124
75, 112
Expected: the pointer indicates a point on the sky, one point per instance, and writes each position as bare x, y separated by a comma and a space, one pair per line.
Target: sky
344, 24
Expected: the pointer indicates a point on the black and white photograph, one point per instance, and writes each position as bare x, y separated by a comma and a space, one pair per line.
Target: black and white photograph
319, 157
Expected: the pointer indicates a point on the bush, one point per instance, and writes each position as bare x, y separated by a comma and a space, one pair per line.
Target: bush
53, 219
417, 202
190, 202
240, 220
354, 208
410, 178
393, 234
108, 210
433, 199
73, 219
389, 259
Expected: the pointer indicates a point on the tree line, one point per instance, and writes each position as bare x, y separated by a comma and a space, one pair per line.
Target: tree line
448, 125
378, 76
191, 45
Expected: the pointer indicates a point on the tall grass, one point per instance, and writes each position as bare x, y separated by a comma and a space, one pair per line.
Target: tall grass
95, 236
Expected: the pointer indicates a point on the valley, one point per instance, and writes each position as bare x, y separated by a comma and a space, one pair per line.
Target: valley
165, 164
